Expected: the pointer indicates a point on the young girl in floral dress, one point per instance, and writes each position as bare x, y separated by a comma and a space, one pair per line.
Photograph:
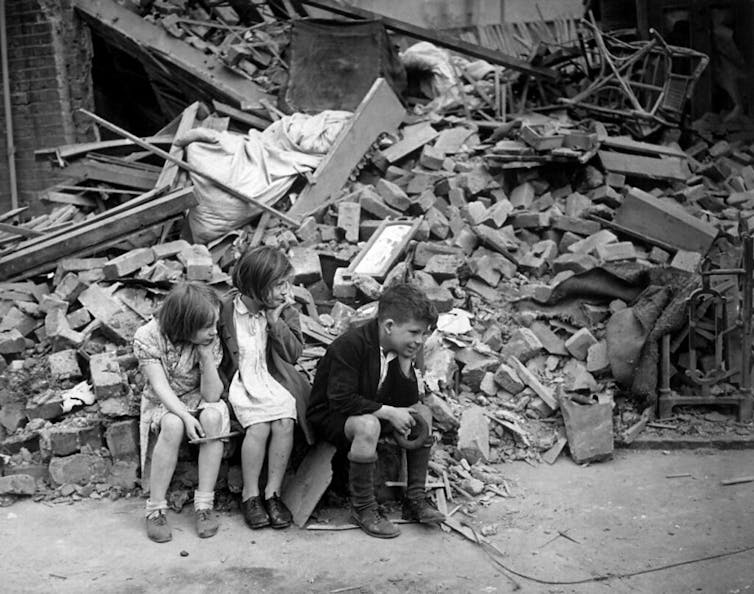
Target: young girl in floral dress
179, 352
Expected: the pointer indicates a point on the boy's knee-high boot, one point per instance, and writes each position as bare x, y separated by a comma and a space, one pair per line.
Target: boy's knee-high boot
415, 506
364, 509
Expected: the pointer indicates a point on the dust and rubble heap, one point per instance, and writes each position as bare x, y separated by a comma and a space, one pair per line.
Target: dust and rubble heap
501, 216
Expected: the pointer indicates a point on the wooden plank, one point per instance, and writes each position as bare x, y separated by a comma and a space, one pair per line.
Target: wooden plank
63, 198
45, 254
66, 151
621, 143
154, 45
414, 137
670, 169
170, 170
664, 221
251, 120
22, 231
111, 173
12, 213
302, 493
380, 111
441, 39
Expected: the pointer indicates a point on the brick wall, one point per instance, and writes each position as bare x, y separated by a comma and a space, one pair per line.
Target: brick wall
49, 61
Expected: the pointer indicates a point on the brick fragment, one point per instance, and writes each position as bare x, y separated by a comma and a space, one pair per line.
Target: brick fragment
17, 484
12, 342
128, 263
349, 215
613, 252
106, 377
122, 438
474, 435
198, 263
64, 364
522, 196
507, 378
79, 469
306, 265
578, 344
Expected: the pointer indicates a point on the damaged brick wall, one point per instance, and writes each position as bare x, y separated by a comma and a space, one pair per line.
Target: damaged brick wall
49, 61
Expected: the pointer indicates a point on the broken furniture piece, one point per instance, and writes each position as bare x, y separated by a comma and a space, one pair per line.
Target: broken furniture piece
720, 368
385, 246
643, 84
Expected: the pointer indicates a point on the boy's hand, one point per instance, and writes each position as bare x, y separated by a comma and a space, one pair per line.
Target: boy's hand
193, 427
402, 420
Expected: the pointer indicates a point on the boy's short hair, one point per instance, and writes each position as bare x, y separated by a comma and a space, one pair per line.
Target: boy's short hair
258, 269
404, 302
188, 308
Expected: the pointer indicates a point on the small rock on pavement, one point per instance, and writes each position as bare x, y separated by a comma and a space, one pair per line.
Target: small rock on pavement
472, 486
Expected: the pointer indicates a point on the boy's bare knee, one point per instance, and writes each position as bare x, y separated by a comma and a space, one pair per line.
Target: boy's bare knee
171, 427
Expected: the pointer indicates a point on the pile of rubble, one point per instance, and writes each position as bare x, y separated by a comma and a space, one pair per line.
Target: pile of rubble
490, 220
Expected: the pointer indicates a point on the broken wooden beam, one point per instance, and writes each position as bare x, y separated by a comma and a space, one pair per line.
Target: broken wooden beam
665, 221
440, 39
43, 255
380, 111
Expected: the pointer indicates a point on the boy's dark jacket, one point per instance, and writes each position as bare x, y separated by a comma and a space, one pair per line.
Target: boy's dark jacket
284, 345
349, 373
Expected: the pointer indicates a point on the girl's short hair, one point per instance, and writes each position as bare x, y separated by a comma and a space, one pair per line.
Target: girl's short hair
258, 269
188, 308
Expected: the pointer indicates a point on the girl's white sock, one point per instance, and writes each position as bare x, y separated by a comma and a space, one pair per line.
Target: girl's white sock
153, 506
204, 500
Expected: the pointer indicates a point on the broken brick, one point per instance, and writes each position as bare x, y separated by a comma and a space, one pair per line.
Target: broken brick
128, 263
107, 380
64, 365
122, 438
349, 214
507, 378
578, 344
474, 435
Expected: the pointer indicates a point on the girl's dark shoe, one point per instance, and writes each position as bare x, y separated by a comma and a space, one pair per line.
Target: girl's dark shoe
254, 512
280, 516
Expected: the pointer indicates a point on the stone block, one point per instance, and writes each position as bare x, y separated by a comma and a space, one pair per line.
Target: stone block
507, 378
421, 203
523, 344
169, 249
372, 203
12, 416
576, 205
349, 216
99, 303
574, 262
597, 359
589, 429
498, 213
343, 286
688, 261
197, 260
78, 319
17, 484
439, 228
122, 438
474, 370
431, 158
574, 225
658, 256
577, 377
487, 386
613, 252
444, 266
392, 195
70, 287
442, 415
467, 240
578, 344
12, 342
67, 265
124, 474
530, 220
529, 379
589, 245
64, 365
117, 406
106, 377
15, 319
128, 263
550, 341
52, 302
79, 469
474, 435
306, 265
64, 440
441, 298
474, 212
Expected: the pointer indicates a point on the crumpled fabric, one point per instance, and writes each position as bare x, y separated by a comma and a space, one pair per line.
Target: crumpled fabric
261, 165
443, 84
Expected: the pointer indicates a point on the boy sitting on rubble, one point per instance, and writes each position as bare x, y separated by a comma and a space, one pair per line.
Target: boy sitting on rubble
366, 386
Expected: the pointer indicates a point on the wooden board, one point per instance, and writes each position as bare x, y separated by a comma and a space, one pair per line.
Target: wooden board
43, 255
153, 46
664, 221
117, 174
170, 170
622, 143
441, 39
670, 169
414, 137
380, 111
303, 491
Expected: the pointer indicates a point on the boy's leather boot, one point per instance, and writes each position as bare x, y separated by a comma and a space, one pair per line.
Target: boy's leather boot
364, 510
415, 505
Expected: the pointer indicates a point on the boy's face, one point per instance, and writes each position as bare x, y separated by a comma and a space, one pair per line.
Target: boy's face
404, 338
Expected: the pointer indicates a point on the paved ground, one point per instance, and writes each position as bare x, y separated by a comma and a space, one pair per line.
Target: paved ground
625, 515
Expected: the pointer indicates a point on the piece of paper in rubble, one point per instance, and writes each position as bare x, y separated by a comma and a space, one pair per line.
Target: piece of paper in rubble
80, 395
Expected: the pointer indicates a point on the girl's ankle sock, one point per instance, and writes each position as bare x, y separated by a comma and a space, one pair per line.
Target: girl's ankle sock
153, 506
204, 500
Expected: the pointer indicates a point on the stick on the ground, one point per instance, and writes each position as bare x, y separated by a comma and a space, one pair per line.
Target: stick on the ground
737, 480
215, 437
188, 167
